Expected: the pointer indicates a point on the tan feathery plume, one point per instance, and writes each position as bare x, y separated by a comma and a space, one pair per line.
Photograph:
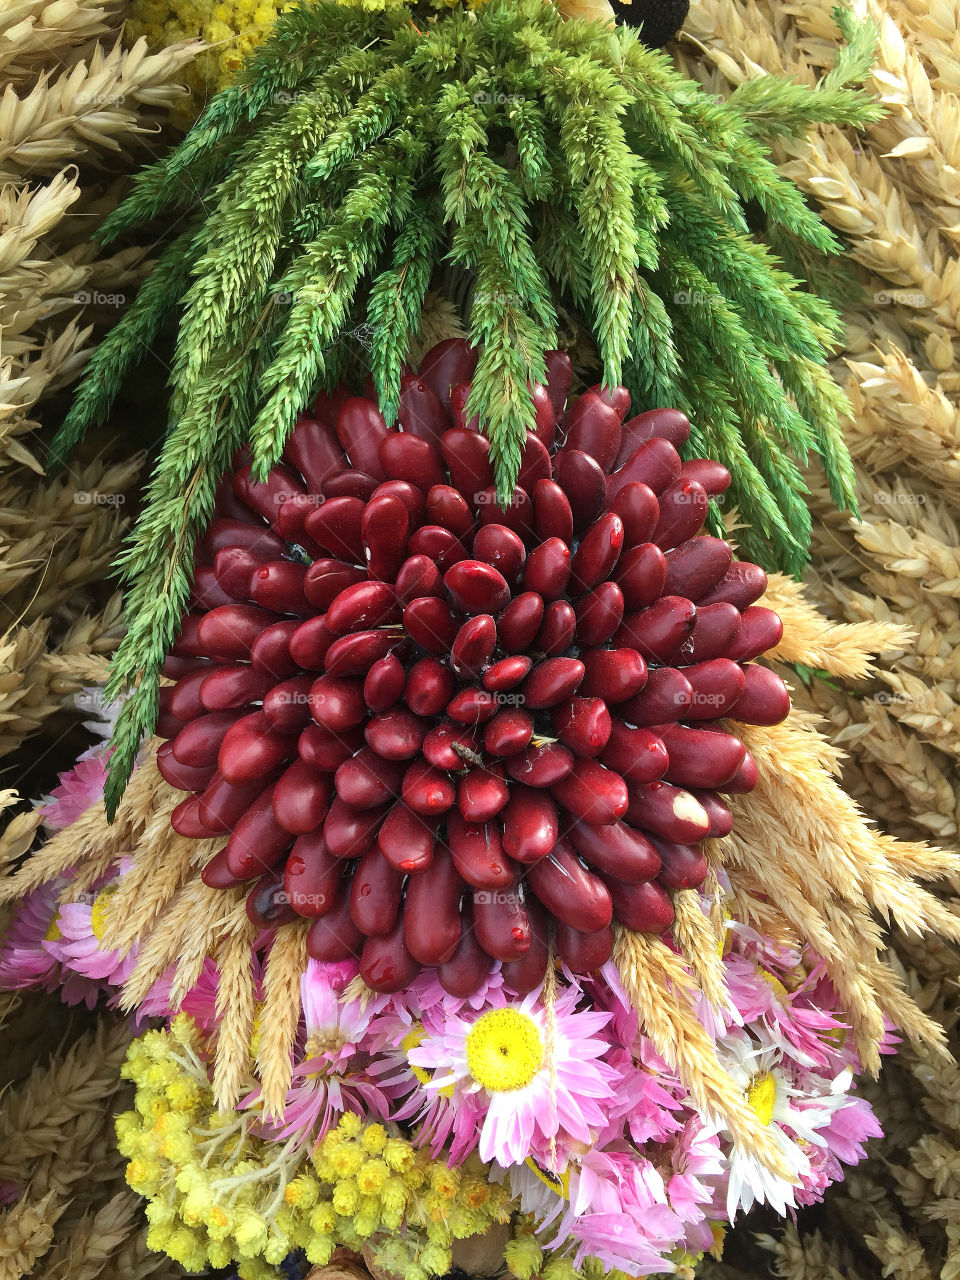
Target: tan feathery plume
701, 946
280, 1015
235, 1013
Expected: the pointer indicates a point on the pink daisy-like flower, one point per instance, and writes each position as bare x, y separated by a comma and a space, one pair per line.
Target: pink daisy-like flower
25, 956
538, 1082
80, 787
79, 945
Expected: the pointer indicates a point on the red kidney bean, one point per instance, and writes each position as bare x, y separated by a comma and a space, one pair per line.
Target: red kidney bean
334, 937
637, 506
599, 614
301, 798
540, 766
478, 853
641, 574
349, 832
612, 674
520, 621
683, 867
655, 463
765, 698
459, 398
267, 496
207, 593
714, 476
311, 876
362, 605
197, 744
469, 966
258, 841
184, 700
715, 628
659, 631
544, 415
431, 911
430, 685
552, 515
701, 758
349, 484
559, 378
467, 455
592, 793
291, 521
666, 697
527, 973
441, 743
360, 430
267, 906
569, 891
447, 508
337, 704
325, 750
741, 585
617, 397
645, 908
226, 503
582, 725
222, 805
313, 448
535, 463
595, 428
507, 673
431, 624
667, 811
215, 874
655, 424
228, 631
188, 642
367, 780
547, 570
175, 668
310, 643
475, 587
182, 776
448, 363
407, 841
270, 652
287, 705
335, 526
328, 404
597, 554
717, 685
616, 850
437, 544
695, 566
385, 963
552, 681
418, 577
683, 511
638, 755
396, 734
516, 515
583, 952
760, 631
501, 548
326, 579
721, 819
355, 654
558, 629
278, 585
472, 706
510, 731
252, 748
582, 479
185, 820
384, 530
426, 790
421, 412
530, 824
409, 457
375, 894
411, 497
254, 537
501, 923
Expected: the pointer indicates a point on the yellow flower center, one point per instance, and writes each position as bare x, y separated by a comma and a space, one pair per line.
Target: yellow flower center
410, 1041
762, 1096
557, 1182
53, 933
504, 1050
98, 912
779, 990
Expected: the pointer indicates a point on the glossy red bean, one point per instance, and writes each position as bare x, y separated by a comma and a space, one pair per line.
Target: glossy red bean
659, 631
184, 700
310, 643
583, 952
409, 494
616, 850
367, 781
467, 455
362, 605
501, 923
617, 397
446, 364
481, 794
667, 811
530, 824
418, 577
683, 512
207, 593
451, 746
592, 793
540, 766
765, 698
301, 798
335, 527
510, 731
507, 673
501, 548
421, 412
350, 832
760, 631
473, 646
291, 521
407, 840
215, 874
516, 514
598, 614
459, 399
637, 506
526, 973
595, 428
569, 892
655, 463
478, 853
360, 430
430, 685
270, 651
266, 905
375, 894
385, 963
655, 424
552, 515
447, 508
559, 378
287, 705
666, 697
682, 865
437, 544
326, 579
198, 743
544, 415
721, 819
431, 623
741, 585
469, 966
475, 587
597, 554
396, 734
258, 841
640, 574
715, 629
252, 535
311, 876
185, 820
535, 463
695, 566
222, 805
558, 629
644, 908
355, 654
411, 458
612, 674
582, 725
716, 685
313, 448
183, 776
552, 681
431, 911
384, 683
267, 496
349, 483
520, 621
701, 758
325, 750
426, 790
714, 476
384, 531
337, 704
638, 755
253, 749
278, 585
472, 706
334, 936
583, 480
228, 631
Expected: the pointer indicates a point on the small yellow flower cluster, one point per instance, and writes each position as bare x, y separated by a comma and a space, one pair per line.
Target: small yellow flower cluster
219, 1193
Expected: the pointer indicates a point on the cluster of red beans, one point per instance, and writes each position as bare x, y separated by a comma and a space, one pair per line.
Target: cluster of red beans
448, 731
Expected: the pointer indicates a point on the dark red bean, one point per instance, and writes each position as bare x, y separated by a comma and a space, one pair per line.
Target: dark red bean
655, 424
409, 494
421, 411
469, 966
520, 621
175, 668
311, 876
540, 766
582, 479
437, 544
360, 430
667, 811
367, 780
721, 819
472, 706
683, 512
301, 798
467, 455
616, 850
665, 698
278, 585
427, 791
559, 378
253, 749
478, 853
287, 705
527, 973
314, 450
362, 605
592, 793
530, 824
291, 522
715, 629
267, 906
765, 698
701, 758
185, 820
741, 585
500, 547
326, 579
597, 554
501, 923
507, 673
683, 866
544, 415
481, 794
431, 911
375, 894
695, 566
335, 527
184, 700
746, 778
476, 587
349, 484
612, 674
270, 652
349, 832
448, 508
638, 755
760, 631
355, 654
714, 476
198, 743
254, 536
595, 428
552, 681
535, 463
446, 364
637, 506
337, 704
410, 458
258, 841
183, 776
207, 593
459, 398
396, 734
558, 629
510, 731
385, 963
644, 908
655, 464
552, 516
228, 631
641, 574
222, 805
582, 725
617, 397
325, 750
473, 646
599, 614
449, 746
418, 577
385, 530
310, 643
267, 496
334, 936
407, 840
215, 874
583, 952
658, 632
569, 891
716, 686
430, 685
431, 624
